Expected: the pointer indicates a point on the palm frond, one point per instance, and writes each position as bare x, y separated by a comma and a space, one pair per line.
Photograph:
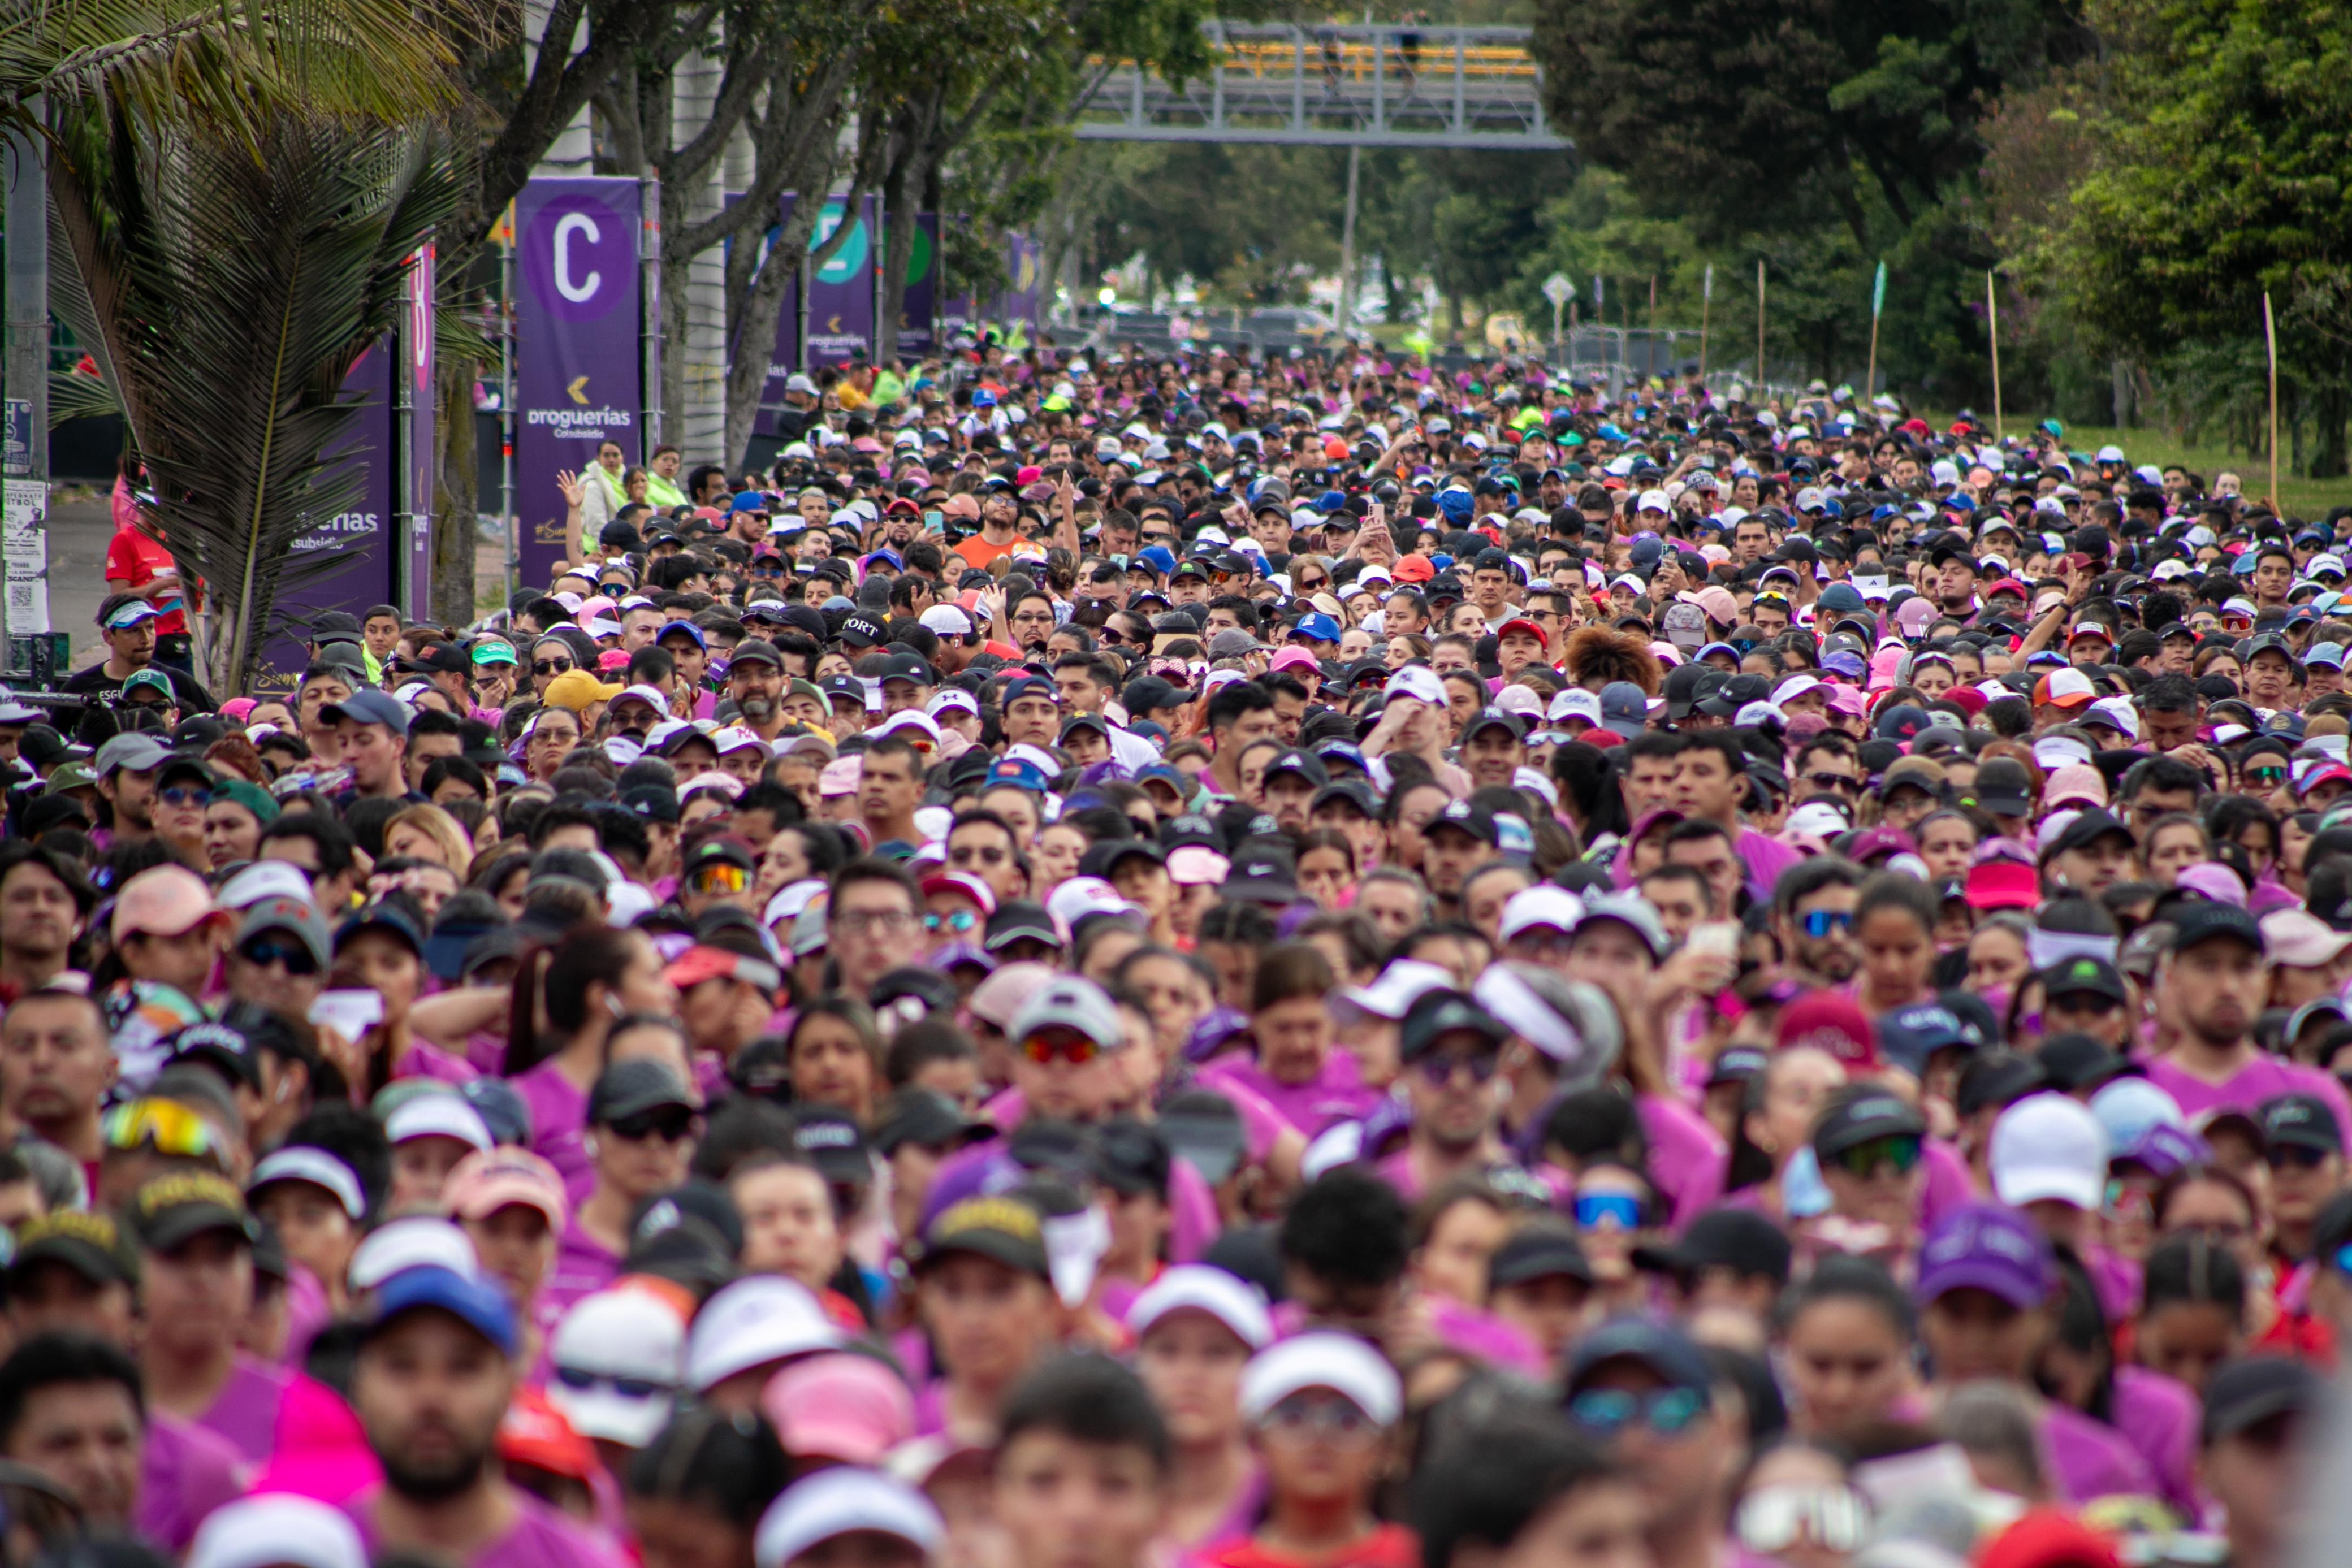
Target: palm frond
231, 63
75, 395
230, 296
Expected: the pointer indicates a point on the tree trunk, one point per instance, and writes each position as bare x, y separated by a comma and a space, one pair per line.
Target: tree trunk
456, 501
2328, 455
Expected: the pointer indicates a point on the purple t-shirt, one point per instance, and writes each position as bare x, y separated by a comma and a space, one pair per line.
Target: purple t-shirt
2159, 1416
2262, 1078
1334, 1094
184, 1473
2088, 1459
1766, 859
559, 1125
584, 1266
541, 1538
1688, 1158
246, 1412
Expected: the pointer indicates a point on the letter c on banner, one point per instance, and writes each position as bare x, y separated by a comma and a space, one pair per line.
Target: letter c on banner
581, 292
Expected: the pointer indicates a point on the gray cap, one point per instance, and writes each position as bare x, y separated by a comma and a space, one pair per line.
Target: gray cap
1071, 1003
138, 752
1632, 911
1233, 644
297, 917
1625, 708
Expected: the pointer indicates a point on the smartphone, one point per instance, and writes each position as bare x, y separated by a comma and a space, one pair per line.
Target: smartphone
935, 522
1715, 938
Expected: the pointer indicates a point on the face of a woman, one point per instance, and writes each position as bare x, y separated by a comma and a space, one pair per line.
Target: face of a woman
1324, 876
1800, 1079
1996, 961
1845, 1364
1946, 845
1895, 951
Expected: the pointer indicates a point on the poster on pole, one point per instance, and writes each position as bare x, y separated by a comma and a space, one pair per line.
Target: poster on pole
362, 539
840, 325
1016, 313
25, 548
577, 349
918, 317
417, 434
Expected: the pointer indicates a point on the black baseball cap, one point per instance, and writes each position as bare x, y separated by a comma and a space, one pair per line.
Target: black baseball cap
1854, 1121
91, 1244
1467, 817
1538, 1251
2076, 1062
2084, 976
172, 1210
1996, 1078
1005, 1227
1442, 1012
2248, 1392
835, 1145
631, 1088
922, 1116
1204, 1129
1739, 1240
2208, 921
2299, 1121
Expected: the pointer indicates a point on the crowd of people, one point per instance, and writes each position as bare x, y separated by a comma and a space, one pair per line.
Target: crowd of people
1300, 962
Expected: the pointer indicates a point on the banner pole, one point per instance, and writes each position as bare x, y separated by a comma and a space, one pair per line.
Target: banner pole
2269, 338
1992, 322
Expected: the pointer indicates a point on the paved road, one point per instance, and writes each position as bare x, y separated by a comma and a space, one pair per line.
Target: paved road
79, 532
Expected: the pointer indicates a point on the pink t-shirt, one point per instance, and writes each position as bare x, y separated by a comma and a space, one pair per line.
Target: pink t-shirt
2088, 1459
584, 1266
541, 1538
559, 1125
1688, 1158
1337, 1093
2159, 1416
246, 1411
184, 1473
2261, 1078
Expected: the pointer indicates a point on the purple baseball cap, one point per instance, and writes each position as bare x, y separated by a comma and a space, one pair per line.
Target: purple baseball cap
1987, 1247
2165, 1148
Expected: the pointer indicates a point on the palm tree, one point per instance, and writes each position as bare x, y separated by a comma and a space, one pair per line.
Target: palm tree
237, 186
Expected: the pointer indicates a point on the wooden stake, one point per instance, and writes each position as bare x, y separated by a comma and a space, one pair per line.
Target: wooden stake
1759, 330
1706, 304
2270, 337
1992, 320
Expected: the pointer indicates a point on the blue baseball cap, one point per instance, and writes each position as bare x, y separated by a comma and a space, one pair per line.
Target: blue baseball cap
748, 501
478, 1304
1012, 772
690, 628
1030, 686
368, 706
1664, 1350
1317, 627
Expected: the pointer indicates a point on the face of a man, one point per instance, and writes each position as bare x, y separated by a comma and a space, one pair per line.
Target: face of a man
430, 1393
372, 752
886, 790
37, 912
1705, 785
1077, 1505
1819, 933
55, 1063
88, 1438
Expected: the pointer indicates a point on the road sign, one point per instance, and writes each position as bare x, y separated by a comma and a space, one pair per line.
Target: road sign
1558, 289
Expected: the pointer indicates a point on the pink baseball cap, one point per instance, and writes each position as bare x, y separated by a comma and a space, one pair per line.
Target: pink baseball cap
164, 901
490, 1179
1293, 657
843, 1406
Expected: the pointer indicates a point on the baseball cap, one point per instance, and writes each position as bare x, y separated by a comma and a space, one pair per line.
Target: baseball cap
2049, 1146
1984, 1246
1663, 1348
751, 1323
843, 1500
163, 901
300, 1162
472, 1300
1204, 1129
840, 1406
2084, 976
481, 1184
1003, 1228
1849, 1123
438, 1116
617, 1356
172, 1210
1199, 1288
91, 1244
277, 1530
631, 1088
1825, 1021
1538, 1251
1340, 1363
2300, 1121
1739, 1240
2208, 921
2250, 1391
1070, 1002
367, 707
1439, 1013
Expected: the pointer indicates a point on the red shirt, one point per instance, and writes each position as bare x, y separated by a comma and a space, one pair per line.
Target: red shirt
1390, 1546
131, 557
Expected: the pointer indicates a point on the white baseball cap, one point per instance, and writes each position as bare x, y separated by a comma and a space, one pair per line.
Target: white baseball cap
1344, 1365
751, 1323
300, 1162
1198, 1288
277, 1530
417, 1242
435, 1116
840, 1501
1543, 904
2049, 1146
614, 1338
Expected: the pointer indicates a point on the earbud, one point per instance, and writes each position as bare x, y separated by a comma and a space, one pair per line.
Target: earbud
612, 1004
588, 1148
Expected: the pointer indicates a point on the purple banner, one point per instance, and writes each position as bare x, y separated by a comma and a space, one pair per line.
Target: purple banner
361, 537
784, 363
1017, 309
577, 352
840, 325
417, 363
919, 335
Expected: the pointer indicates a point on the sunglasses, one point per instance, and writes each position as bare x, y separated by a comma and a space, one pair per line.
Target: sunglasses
1605, 1412
1440, 1070
670, 1123
164, 1125
2298, 1157
719, 879
2266, 774
1900, 1150
1310, 584
1619, 1209
626, 1387
1820, 922
1304, 1415
550, 666
291, 956
1773, 1519
960, 922
184, 795
1075, 1048
1837, 782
